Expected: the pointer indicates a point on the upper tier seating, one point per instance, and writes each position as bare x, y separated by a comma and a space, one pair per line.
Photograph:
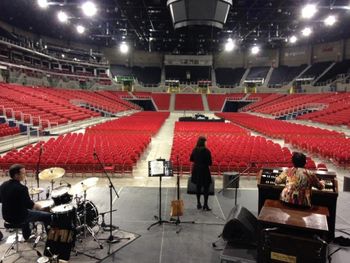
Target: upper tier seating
339, 68
229, 76
39, 107
147, 75
316, 69
285, 74
6, 130
120, 70
189, 102
196, 73
257, 73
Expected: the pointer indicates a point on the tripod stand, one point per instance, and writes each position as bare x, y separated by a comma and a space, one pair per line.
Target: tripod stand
111, 239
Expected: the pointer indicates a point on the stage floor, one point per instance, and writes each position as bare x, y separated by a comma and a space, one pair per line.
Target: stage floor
137, 206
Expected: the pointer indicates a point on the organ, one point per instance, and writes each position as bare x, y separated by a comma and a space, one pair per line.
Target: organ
267, 189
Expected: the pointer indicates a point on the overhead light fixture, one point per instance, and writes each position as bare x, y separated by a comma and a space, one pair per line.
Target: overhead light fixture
308, 11
255, 50
293, 39
330, 20
230, 45
306, 31
62, 17
43, 3
80, 29
89, 9
63, 56
124, 48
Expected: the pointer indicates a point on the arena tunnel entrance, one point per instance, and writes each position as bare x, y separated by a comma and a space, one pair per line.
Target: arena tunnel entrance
145, 104
234, 106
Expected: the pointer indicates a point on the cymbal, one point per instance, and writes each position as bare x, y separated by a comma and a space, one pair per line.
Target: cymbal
51, 173
83, 185
35, 191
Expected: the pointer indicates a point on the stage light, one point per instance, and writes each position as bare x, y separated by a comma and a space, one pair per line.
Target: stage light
255, 50
330, 21
230, 45
306, 31
62, 17
124, 48
80, 29
308, 11
293, 39
43, 3
89, 9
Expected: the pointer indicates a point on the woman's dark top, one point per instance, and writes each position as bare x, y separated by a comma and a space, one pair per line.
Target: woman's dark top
201, 158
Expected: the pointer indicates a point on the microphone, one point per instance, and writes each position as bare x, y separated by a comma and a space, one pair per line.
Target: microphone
36, 241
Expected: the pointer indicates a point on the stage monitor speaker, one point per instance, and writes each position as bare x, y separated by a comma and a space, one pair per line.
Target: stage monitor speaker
241, 226
199, 12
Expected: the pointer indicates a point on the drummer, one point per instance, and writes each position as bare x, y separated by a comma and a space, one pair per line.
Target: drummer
17, 207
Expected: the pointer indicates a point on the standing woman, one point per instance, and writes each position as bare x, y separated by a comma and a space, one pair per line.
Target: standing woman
201, 177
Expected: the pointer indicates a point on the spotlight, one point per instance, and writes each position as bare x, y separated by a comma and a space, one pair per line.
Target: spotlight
62, 17
306, 31
89, 9
255, 50
308, 11
63, 56
230, 45
124, 48
293, 39
330, 20
42, 3
80, 29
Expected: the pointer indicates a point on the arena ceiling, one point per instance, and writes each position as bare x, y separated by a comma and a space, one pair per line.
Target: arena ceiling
147, 24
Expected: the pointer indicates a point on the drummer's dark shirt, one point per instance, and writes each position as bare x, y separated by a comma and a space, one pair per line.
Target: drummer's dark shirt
15, 201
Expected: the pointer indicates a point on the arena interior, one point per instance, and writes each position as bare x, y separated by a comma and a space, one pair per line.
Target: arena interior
98, 89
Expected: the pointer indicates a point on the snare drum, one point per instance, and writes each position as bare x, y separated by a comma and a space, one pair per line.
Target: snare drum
64, 216
45, 205
61, 196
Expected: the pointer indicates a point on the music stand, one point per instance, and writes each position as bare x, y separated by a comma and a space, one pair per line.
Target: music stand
156, 168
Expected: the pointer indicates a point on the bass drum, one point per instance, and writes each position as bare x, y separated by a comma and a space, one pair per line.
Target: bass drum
91, 213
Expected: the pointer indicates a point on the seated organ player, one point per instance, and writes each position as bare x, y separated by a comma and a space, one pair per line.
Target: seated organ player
299, 182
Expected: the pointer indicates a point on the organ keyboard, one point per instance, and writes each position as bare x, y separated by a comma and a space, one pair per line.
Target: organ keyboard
327, 197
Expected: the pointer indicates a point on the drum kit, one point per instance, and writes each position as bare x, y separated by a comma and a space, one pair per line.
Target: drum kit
68, 204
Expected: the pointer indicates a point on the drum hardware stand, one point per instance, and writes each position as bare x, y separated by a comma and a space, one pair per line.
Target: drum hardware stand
86, 227
103, 224
111, 239
38, 165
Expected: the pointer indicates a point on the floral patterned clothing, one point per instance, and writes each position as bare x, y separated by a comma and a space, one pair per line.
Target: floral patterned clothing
299, 182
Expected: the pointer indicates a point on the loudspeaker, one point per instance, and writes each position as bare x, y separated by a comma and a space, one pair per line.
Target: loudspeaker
192, 188
241, 226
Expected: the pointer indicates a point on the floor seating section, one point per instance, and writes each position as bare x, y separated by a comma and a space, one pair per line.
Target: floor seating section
189, 102
118, 143
231, 146
308, 138
6, 130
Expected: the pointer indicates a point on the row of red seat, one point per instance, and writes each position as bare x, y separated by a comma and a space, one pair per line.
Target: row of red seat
276, 128
189, 102
119, 148
6, 130
209, 128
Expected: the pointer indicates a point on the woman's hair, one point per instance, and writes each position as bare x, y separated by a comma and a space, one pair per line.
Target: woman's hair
299, 160
15, 169
201, 142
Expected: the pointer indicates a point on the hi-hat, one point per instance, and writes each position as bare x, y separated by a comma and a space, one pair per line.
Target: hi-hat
51, 173
35, 191
83, 185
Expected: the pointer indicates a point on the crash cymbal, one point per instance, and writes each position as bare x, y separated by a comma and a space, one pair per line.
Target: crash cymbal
35, 191
51, 173
82, 186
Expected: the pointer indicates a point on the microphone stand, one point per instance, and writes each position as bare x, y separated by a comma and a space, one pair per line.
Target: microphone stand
111, 239
38, 166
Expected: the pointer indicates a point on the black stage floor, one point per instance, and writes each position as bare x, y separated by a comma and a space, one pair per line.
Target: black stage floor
137, 206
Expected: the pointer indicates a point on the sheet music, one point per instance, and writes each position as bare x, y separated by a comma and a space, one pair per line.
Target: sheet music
157, 167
